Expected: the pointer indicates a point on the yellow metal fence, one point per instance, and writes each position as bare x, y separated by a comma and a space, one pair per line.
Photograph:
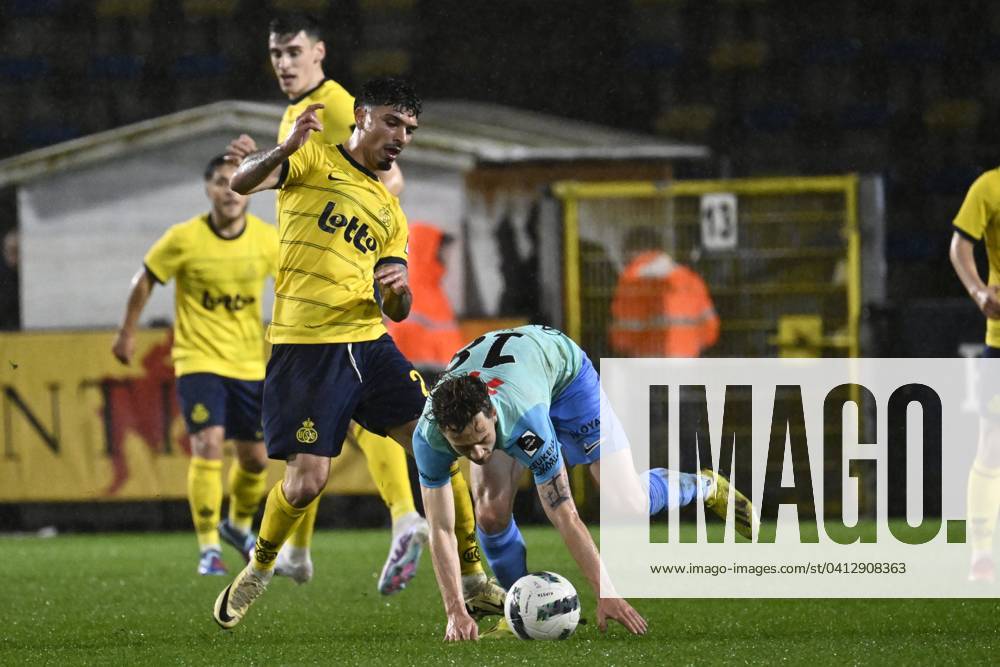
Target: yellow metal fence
788, 284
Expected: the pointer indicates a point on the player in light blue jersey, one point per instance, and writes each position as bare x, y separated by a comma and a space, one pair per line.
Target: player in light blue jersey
530, 398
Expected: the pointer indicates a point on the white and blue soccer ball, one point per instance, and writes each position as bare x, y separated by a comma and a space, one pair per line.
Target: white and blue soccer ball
542, 605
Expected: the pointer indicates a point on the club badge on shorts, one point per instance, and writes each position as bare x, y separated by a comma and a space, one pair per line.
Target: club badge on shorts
307, 435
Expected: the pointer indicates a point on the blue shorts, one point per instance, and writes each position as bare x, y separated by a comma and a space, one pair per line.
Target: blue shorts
208, 399
576, 416
313, 391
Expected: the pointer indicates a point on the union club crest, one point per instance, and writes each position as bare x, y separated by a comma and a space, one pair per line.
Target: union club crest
307, 435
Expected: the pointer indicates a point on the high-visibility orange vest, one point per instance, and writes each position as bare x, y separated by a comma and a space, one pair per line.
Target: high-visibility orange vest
661, 309
429, 336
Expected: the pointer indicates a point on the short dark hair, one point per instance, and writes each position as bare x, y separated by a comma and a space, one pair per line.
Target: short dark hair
293, 23
391, 92
457, 399
213, 165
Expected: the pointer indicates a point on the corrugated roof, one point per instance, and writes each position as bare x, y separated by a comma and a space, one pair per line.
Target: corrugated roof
456, 134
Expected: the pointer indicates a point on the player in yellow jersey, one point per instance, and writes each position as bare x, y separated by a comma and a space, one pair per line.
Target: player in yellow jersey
342, 265
979, 219
219, 262
297, 51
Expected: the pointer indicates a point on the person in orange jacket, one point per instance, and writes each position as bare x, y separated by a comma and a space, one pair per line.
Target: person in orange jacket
660, 308
430, 335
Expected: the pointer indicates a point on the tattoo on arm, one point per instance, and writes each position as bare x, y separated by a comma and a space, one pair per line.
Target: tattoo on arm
256, 167
266, 161
556, 491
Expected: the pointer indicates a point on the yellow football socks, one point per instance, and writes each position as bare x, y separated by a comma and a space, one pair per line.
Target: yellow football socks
396, 493
302, 535
984, 504
205, 498
280, 519
465, 524
246, 490
387, 465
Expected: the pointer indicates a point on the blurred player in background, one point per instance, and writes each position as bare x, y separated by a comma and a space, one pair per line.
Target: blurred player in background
341, 233
10, 281
979, 219
430, 335
530, 398
219, 261
297, 51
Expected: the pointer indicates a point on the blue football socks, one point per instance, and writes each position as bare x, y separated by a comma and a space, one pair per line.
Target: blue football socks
505, 552
659, 491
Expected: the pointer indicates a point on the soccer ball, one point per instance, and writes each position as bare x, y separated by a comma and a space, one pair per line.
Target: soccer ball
542, 605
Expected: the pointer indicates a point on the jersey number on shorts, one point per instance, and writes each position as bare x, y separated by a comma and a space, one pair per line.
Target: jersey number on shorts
417, 377
495, 357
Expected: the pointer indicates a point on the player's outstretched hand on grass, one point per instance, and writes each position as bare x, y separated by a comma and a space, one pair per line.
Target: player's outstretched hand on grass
461, 627
239, 148
621, 611
307, 122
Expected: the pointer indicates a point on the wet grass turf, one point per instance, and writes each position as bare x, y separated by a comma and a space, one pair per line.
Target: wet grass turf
130, 599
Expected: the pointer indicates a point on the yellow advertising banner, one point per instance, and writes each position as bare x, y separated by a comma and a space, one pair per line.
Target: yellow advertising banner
77, 425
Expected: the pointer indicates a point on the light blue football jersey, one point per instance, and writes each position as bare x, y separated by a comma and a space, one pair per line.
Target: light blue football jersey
525, 369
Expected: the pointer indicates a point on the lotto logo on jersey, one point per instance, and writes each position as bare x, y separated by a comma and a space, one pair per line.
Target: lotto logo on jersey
231, 302
355, 232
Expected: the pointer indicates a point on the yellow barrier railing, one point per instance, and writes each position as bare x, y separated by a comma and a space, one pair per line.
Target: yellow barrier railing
820, 203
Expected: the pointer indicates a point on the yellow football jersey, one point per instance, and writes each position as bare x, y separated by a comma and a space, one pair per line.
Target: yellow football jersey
337, 114
336, 223
217, 327
978, 219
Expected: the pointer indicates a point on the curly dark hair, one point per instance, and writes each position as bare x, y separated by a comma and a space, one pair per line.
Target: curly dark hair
456, 400
391, 92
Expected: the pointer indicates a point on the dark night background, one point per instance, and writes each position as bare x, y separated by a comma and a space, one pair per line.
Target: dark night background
907, 90
904, 89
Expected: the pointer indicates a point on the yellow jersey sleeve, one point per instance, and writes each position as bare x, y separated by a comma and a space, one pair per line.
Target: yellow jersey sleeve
398, 245
166, 256
300, 163
979, 207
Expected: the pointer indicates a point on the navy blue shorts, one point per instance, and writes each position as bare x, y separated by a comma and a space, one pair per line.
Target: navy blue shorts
313, 391
208, 399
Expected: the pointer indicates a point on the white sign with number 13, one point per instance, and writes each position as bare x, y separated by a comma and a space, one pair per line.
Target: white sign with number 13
718, 221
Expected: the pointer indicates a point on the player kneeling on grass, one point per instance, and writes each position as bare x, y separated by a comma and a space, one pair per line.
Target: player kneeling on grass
529, 397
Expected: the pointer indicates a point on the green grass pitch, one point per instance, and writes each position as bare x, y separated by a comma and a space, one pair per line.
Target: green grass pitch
135, 599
